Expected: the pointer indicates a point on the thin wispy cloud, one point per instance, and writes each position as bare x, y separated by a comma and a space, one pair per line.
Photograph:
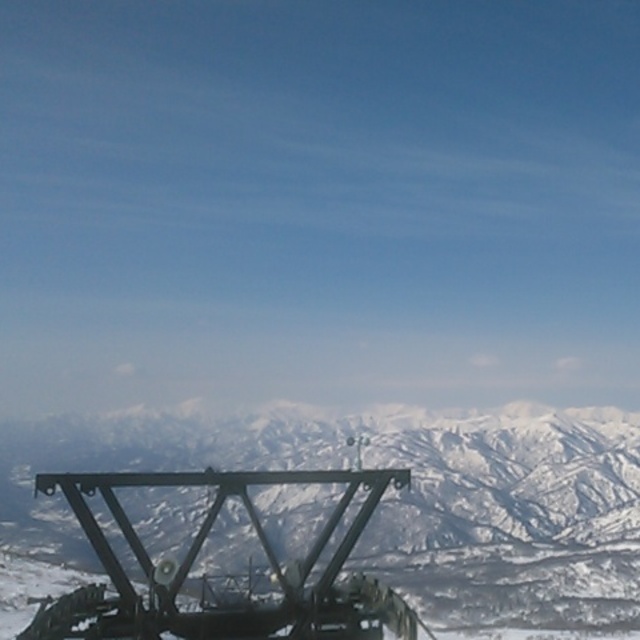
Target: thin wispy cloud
405, 189
568, 364
125, 370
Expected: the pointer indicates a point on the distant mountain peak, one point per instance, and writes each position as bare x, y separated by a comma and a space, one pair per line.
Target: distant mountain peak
525, 409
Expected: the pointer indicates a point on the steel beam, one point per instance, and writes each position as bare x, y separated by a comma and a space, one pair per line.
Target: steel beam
273, 561
196, 545
101, 545
328, 530
350, 539
89, 482
127, 529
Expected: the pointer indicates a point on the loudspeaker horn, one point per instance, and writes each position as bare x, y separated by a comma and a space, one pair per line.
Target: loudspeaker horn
165, 571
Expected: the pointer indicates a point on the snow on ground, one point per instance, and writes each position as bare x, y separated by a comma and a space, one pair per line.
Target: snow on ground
22, 578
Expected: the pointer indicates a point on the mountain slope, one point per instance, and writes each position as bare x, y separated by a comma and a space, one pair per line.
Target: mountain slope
521, 481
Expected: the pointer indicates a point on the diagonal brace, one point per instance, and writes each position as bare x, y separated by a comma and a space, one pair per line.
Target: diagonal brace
350, 539
132, 538
100, 545
266, 545
328, 530
196, 545
127, 529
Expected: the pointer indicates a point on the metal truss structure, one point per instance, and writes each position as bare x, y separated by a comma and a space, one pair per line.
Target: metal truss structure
309, 605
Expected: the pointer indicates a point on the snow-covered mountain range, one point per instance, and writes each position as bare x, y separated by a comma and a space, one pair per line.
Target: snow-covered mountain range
521, 515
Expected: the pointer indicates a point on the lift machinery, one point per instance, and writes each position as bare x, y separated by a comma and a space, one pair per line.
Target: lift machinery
310, 600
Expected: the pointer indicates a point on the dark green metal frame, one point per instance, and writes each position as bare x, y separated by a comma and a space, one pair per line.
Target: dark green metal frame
297, 610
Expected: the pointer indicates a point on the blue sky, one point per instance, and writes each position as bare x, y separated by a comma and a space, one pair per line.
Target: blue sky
331, 202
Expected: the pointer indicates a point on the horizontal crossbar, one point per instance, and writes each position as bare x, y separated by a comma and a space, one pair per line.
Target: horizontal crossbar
230, 481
